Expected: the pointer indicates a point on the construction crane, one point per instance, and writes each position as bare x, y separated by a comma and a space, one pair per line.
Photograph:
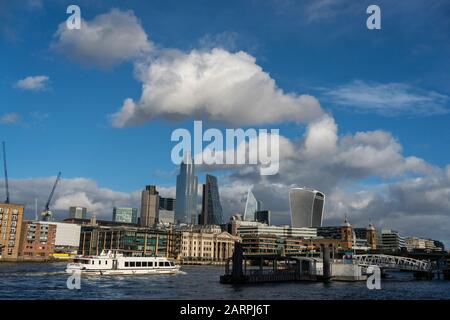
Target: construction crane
6, 173
47, 215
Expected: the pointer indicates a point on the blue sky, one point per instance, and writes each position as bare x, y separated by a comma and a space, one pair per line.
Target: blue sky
321, 48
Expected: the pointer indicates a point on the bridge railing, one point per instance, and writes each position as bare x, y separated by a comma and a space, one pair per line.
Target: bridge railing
394, 262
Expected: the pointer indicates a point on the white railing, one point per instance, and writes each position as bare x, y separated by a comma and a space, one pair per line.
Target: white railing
393, 262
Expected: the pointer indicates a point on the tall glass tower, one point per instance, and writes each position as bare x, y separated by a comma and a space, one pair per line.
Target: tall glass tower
251, 206
211, 207
186, 194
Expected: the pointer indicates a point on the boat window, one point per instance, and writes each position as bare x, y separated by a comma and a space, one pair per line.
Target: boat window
161, 263
171, 264
126, 264
99, 261
138, 264
132, 264
150, 263
144, 263
93, 261
167, 264
106, 262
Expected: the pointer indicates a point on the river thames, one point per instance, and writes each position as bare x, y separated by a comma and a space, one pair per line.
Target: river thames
48, 281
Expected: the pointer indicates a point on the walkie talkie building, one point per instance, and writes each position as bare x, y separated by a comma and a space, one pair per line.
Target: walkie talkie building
306, 207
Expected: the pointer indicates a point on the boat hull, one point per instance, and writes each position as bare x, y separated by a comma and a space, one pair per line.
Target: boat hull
126, 272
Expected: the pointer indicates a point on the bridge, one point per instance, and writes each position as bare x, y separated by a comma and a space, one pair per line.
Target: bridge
393, 262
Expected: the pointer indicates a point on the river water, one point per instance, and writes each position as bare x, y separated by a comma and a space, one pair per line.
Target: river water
48, 281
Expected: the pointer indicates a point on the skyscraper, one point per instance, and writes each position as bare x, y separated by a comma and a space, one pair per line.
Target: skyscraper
166, 214
263, 216
251, 206
306, 207
211, 207
126, 215
149, 206
186, 194
77, 212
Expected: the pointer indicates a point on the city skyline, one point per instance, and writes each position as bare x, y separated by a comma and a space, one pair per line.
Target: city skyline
371, 107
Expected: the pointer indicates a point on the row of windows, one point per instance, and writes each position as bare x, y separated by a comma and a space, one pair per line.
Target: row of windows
6, 210
132, 264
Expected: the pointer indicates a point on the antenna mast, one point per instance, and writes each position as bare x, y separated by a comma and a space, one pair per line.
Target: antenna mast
6, 173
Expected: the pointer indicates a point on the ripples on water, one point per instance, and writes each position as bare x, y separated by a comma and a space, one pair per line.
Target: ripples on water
48, 281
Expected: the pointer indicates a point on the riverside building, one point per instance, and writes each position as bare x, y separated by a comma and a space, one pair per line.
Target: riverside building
205, 244
133, 241
11, 216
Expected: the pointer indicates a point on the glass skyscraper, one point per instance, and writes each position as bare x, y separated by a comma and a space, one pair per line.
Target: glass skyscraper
251, 206
186, 194
211, 207
126, 215
306, 207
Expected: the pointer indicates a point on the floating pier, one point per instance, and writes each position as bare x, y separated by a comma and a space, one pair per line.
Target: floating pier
275, 268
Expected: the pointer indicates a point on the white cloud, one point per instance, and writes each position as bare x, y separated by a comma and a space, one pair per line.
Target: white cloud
106, 40
33, 83
216, 85
9, 118
388, 99
69, 192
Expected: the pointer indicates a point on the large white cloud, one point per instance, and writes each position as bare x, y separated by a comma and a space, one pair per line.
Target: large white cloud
106, 40
216, 85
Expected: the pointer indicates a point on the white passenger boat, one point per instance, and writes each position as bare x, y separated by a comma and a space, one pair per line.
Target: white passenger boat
113, 262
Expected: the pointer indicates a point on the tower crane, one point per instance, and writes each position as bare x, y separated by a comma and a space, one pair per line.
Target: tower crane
47, 215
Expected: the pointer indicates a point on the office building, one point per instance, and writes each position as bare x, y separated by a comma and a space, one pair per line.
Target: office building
132, 241
166, 214
281, 232
11, 216
257, 244
211, 207
149, 206
166, 217
167, 203
126, 215
263, 216
67, 236
391, 241
252, 205
306, 207
414, 244
77, 212
37, 240
236, 222
186, 193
